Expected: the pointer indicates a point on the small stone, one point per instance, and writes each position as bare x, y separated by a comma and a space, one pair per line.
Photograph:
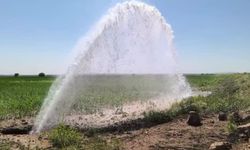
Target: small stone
194, 119
236, 117
40, 138
245, 129
243, 137
45, 138
124, 115
222, 116
246, 118
220, 146
24, 123
212, 121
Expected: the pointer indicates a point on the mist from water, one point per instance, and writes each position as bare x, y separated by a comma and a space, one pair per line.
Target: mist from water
132, 39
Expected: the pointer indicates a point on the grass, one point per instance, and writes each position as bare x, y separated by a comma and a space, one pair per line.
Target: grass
204, 81
97, 143
64, 137
113, 90
22, 96
230, 93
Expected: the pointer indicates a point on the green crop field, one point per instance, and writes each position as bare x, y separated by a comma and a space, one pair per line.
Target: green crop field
98, 91
23, 96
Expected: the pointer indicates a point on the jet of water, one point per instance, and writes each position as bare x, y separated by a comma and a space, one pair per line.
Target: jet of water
133, 38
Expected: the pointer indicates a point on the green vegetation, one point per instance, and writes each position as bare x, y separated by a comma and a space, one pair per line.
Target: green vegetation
204, 82
97, 143
63, 136
113, 90
231, 125
158, 117
22, 96
230, 93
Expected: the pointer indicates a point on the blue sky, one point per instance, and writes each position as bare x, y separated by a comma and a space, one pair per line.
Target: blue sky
38, 36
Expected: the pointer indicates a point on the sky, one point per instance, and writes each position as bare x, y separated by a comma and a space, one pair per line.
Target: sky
211, 36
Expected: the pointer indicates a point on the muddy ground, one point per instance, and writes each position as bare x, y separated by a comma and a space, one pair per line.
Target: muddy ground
174, 135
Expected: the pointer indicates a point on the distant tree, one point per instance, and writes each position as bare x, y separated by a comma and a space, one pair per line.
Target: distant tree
16, 74
41, 74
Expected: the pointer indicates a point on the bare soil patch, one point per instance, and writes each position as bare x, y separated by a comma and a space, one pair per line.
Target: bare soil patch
174, 135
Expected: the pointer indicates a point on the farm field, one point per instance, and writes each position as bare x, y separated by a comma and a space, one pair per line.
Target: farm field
21, 98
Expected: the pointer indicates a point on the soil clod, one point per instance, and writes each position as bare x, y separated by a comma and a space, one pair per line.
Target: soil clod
194, 119
222, 116
220, 146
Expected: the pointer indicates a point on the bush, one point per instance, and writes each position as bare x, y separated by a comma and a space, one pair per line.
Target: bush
157, 117
231, 127
63, 136
41, 74
16, 74
228, 88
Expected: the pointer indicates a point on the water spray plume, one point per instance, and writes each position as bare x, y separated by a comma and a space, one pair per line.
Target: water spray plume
133, 38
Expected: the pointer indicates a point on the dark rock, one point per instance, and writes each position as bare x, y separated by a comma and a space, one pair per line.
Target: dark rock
236, 117
243, 137
194, 119
246, 118
40, 138
24, 122
222, 116
17, 130
244, 129
233, 137
212, 121
220, 146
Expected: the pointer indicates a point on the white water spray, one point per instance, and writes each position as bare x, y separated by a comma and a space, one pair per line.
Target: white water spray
133, 38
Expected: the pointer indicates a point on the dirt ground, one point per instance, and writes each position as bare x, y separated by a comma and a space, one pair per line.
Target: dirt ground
175, 135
